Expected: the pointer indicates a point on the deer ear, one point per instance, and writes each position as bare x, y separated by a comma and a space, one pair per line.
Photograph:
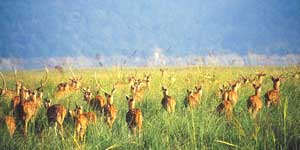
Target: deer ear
272, 77
106, 95
127, 97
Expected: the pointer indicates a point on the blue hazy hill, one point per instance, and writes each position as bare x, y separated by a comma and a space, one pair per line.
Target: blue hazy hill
31, 28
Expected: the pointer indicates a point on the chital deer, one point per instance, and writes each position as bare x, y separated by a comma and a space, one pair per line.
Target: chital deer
273, 96
18, 101
5, 92
81, 122
168, 102
134, 118
233, 93
254, 103
64, 88
193, 99
97, 102
110, 110
30, 108
130, 82
10, 122
137, 91
56, 115
146, 81
225, 105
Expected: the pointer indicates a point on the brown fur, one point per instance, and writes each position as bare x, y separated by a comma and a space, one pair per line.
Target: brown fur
273, 96
254, 103
168, 102
56, 114
233, 93
82, 120
193, 99
225, 105
97, 102
11, 125
134, 117
110, 110
30, 108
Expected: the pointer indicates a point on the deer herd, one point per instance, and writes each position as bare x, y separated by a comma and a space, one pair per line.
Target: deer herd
25, 103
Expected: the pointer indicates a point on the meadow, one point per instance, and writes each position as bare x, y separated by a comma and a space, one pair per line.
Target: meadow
201, 128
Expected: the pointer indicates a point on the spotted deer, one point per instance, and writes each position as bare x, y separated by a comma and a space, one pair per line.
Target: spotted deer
30, 108
233, 93
226, 105
254, 103
134, 117
146, 81
97, 102
18, 101
137, 91
81, 122
10, 122
56, 115
110, 110
193, 98
273, 96
5, 92
168, 102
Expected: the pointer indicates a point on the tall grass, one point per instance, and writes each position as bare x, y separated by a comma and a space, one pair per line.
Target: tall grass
203, 128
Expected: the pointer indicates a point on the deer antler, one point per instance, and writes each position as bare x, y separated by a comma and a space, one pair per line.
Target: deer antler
3, 81
42, 83
15, 73
71, 71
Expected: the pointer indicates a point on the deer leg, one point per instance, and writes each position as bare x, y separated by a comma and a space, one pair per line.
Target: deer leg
55, 128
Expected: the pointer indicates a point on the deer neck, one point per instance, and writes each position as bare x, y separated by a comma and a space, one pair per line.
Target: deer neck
235, 89
257, 92
276, 87
18, 91
131, 107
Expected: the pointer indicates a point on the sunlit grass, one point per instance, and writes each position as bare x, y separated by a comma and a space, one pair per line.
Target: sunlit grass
203, 128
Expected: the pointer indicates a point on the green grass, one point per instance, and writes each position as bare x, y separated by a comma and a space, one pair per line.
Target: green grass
203, 128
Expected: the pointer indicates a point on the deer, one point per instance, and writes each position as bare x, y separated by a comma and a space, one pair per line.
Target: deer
31, 106
273, 96
137, 91
10, 122
233, 93
56, 115
193, 99
146, 81
67, 87
254, 103
134, 118
97, 102
29, 109
81, 122
130, 82
110, 110
5, 92
168, 102
226, 105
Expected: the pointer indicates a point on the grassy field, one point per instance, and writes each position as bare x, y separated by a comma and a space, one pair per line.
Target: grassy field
202, 128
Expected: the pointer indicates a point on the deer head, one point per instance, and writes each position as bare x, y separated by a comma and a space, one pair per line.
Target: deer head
131, 102
257, 88
276, 82
109, 97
